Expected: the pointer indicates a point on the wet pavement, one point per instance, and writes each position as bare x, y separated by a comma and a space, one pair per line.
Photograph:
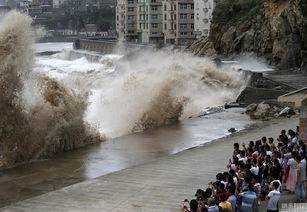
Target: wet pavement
159, 185
30, 180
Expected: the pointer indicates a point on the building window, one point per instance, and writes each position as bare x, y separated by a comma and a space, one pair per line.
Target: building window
165, 17
183, 6
192, 26
165, 26
130, 17
206, 20
165, 7
175, 16
131, 31
153, 1
192, 16
154, 33
154, 8
183, 33
130, 25
154, 25
130, 9
183, 16
174, 6
141, 9
154, 17
130, 1
142, 17
183, 26
142, 26
192, 6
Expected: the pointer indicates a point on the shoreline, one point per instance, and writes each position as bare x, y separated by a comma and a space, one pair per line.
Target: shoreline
29, 180
170, 178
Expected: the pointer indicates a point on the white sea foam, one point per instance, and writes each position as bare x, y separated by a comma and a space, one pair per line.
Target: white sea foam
145, 89
39, 115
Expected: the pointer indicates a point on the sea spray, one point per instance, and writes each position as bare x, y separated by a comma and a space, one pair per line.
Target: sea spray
150, 88
39, 115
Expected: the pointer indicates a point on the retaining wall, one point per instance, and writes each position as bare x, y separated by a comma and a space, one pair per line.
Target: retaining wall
107, 46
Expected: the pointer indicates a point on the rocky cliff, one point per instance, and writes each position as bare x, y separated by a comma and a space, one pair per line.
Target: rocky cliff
274, 29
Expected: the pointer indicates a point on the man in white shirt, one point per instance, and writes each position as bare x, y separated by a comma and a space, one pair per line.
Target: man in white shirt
268, 150
300, 188
273, 197
243, 157
255, 168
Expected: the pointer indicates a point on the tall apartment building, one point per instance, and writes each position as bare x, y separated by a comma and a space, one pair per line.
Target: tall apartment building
178, 21
126, 20
139, 21
149, 21
169, 21
120, 19
203, 16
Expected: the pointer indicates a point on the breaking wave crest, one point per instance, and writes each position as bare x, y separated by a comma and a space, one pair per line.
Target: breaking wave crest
39, 115
151, 88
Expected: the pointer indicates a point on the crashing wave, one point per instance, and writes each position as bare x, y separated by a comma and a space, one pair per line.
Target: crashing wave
39, 116
152, 88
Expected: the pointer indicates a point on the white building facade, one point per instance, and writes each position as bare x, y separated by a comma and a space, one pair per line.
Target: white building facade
120, 19
203, 10
163, 21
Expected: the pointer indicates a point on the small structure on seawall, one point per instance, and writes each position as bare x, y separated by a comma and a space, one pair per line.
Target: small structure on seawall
261, 88
295, 97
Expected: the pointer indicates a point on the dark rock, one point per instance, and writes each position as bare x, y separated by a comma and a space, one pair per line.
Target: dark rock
262, 110
269, 109
287, 111
232, 130
251, 108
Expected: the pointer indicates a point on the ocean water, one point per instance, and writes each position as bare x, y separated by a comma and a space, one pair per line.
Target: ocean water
145, 90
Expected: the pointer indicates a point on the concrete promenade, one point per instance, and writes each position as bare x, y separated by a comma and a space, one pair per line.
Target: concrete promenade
160, 185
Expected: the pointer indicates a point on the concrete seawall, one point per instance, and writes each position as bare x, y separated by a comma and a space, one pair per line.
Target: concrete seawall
108, 46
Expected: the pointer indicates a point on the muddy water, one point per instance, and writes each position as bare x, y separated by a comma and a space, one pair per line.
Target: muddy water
39, 177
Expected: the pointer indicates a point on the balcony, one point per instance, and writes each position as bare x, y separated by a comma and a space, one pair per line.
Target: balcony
186, 21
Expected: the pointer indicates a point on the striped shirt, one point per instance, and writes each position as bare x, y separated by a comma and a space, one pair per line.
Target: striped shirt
248, 198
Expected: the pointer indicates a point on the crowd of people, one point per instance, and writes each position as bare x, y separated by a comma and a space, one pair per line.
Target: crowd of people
257, 171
